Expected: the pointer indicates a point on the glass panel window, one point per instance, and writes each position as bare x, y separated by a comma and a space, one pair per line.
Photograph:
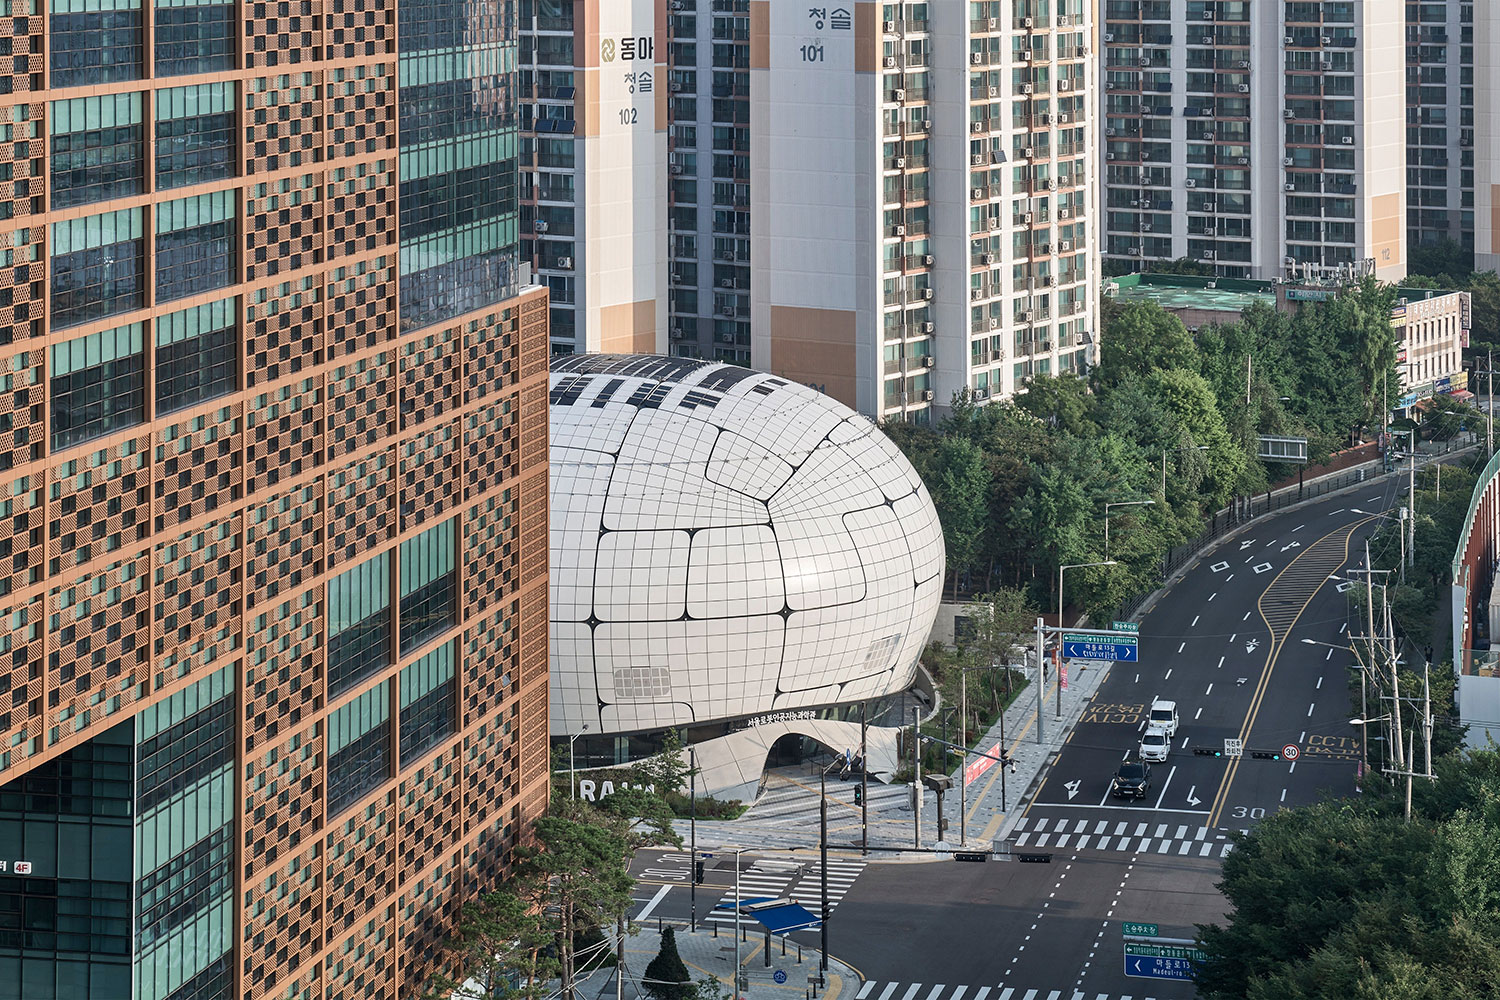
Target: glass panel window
98, 267
196, 352
98, 384
427, 706
194, 134
98, 149
359, 747
359, 623
95, 41
194, 245
193, 37
428, 590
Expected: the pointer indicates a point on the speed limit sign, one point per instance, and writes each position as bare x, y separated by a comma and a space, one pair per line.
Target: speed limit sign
1291, 751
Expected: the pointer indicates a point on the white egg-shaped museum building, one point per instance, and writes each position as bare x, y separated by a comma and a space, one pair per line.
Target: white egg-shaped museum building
725, 545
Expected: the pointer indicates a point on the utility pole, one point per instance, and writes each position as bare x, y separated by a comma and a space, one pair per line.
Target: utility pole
1489, 390
1396, 708
916, 783
864, 781
823, 865
963, 758
693, 838
1411, 502
1041, 679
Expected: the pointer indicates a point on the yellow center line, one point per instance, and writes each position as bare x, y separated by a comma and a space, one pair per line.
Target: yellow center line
1272, 654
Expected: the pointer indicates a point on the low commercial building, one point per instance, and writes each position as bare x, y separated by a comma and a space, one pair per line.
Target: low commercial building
1432, 330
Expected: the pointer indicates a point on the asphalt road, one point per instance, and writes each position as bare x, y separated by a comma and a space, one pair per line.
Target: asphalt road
1226, 644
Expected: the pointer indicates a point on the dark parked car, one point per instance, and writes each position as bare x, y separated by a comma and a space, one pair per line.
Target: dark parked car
1132, 780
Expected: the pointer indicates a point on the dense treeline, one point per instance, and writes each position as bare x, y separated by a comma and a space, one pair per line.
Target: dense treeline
1166, 416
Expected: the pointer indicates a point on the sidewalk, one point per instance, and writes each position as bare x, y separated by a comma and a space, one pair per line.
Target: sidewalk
707, 955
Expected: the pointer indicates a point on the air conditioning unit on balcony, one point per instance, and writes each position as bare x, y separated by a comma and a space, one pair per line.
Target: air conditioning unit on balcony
987, 258
994, 91
1109, 156
975, 194
1044, 345
927, 294
898, 95
1289, 187
727, 255
976, 127
678, 333
1064, 85
1023, 55
898, 230
1210, 255
1145, 156
926, 395
928, 260
1243, 88
1109, 132
1325, 64
1146, 227
1052, 185
977, 159
675, 86
1208, 206
1144, 61
1027, 22
1243, 64
1347, 140
565, 263
676, 277
1207, 40
980, 393
1287, 40
994, 223
1134, 251
1208, 230
1190, 183
900, 163
977, 58
1029, 152
540, 225
1208, 137
1288, 114
1109, 36
1208, 15
1286, 161
1064, 119
994, 322
1048, 281
928, 361
726, 282
1044, 250
927, 327
1064, 213
1243, 161
727, 312
976, 294
889, 27
676, 168
1024, 317
1027, 88
992, 23
1325, 40
1065, 246
1064, 20
890, 62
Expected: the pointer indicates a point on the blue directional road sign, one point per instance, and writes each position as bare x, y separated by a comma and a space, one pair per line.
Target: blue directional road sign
1154, 961
1122, 648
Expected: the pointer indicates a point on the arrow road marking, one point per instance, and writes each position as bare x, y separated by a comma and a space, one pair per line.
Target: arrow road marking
1192, 799
1241, 680
1250, 645
1246, 544
1072, 787
1292, 545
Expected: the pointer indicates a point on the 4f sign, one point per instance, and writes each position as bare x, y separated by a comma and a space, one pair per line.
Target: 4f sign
15, 867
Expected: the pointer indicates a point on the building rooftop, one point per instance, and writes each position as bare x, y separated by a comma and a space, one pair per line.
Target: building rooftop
1180, 291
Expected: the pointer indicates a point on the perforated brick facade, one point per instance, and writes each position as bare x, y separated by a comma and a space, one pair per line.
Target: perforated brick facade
254, 336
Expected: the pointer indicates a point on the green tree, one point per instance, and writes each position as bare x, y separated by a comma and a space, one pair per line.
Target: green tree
959, 494
1002, 620
1061, 401
1143, 338
1189, 397
667, 976
503, 945
1446, 259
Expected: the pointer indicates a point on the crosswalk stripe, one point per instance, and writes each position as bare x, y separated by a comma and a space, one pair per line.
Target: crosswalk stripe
1187, 845
1008, 991
1030, 995
984, 991
1140, 829
1021, 840
1100, 828
864, 990
1054, 995
935, 991
1063, 840
912, 992
1145, 843
1161, 830
888, 991
1166, 845
1120, 828
1083, 825
1083, 842
1041, 840
1207, 849
958, 993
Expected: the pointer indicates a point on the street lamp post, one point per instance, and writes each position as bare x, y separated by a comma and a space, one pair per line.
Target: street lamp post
1060, 571
573, 771
1122, 503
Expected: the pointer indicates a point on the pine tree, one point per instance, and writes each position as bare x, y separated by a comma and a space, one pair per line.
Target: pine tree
667, 976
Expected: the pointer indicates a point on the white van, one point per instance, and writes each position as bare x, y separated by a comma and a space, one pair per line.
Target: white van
1155, 744
1163, 716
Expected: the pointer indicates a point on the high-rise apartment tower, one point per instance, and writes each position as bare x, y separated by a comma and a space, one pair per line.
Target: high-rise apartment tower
1256, 137
272, 494
890, 201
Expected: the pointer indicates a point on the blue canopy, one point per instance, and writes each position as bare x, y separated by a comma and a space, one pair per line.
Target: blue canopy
779, 916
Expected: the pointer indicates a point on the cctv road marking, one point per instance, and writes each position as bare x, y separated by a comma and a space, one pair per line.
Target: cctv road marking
1262, 568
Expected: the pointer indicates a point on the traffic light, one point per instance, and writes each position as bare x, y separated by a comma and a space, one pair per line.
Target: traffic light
1266, 754
697, 873
1208, 751
859, 795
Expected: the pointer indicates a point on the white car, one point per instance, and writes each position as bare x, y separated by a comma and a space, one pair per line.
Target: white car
1163, 716
1155, 744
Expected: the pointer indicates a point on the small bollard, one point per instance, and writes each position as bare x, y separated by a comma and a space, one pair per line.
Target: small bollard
783, 944
658, 925
799, 952
716, 930
744, 933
